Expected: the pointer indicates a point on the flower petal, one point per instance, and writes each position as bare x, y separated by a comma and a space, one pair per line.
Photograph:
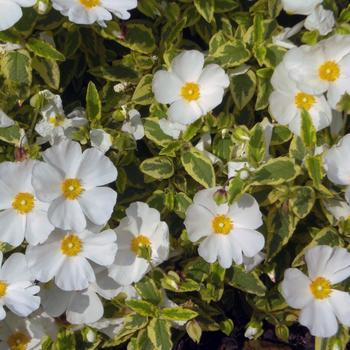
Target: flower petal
15, 269
318, 316
67, 214
74, 274
100, 247
188, 65
340, 302
166, 87
98, 203
246, 213
38, 227
296, 288
250, 241
96, 169
65, 157
12, 227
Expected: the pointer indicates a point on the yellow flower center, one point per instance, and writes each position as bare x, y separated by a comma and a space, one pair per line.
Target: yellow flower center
138, 243
190, 92
329, 71
57, 120
222, 224
89, 4
18, 341
71, 245
320, 288
304, 101
3, 288
23, 202
71, 188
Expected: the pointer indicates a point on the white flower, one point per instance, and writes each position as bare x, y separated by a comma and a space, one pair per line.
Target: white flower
17, 291
337, 164
90, 11
81, 307
11, 12
338, 123
133, 125
100, 140
71, 181
321, 20
204, 143
190, 90
282, 39
300, 7
234, 168
22, 215
338, 208
251, 263
229, 231
172, 129
55, 125
287, 102
140, 230
26, 333
323, 67
65, 256
5, 120
320, 304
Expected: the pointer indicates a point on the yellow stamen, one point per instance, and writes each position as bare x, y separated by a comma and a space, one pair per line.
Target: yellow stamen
71, 188
71, 245
304, 101
23, 202
222, 224
320, 288
139, 242
190, 92
57, 120
89, 4
329, 71
3, 289
18, 341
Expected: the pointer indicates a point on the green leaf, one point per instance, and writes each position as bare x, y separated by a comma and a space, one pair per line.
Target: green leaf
248, 282
230, 53
326, 236
159, 168
143, 94
43, 49
302, 201
223, 145
177, 314
315, 170
48, 70
242, 88
280, 135
275, 172
139, 37
132, 323
205, 8
141, 307
256, 146
148, 291
194, 331
10, 134
159, 333
16, 67
93, 103
235, 188
154, 133
264, 88
65, 340
182, 202
308, 131
344, 104
199, 167
281, 224
116, 73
